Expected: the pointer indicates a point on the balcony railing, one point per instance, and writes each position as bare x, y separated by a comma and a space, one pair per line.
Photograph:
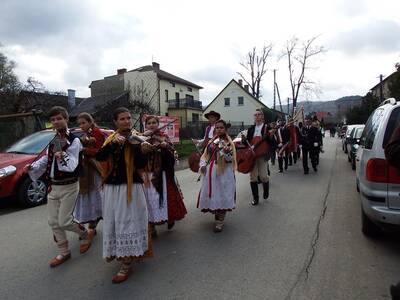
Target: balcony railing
184, 103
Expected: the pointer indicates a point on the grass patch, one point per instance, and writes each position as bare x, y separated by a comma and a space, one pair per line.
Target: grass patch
184, 148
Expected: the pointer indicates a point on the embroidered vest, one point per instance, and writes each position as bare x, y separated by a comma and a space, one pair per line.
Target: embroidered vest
61, 175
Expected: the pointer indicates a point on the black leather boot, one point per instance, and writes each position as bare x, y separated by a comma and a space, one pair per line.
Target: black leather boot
266, 190
254, 190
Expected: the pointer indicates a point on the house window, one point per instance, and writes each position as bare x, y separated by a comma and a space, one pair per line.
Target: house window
190, 97
177, 96
189, 89
240, 101
227, 101
172, 83
166, 95
195, 117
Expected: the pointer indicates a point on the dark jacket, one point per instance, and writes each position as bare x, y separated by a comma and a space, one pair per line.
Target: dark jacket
309, 136
265, 136
285, 135
392, 149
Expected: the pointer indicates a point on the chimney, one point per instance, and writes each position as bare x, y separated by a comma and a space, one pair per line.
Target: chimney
240, 82
71, 98
121, 71
156, 66
246, 87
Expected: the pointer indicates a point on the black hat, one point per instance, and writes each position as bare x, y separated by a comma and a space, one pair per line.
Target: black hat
212, 113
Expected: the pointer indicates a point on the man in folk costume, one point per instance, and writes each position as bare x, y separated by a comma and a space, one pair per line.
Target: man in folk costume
293, 141
60, 167
212, 117
218, 164
282, 138
257, 133
125, 216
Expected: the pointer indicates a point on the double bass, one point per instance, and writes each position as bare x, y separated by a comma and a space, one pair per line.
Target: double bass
247, 155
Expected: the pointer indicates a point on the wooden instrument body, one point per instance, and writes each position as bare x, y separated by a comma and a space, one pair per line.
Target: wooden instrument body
246, 157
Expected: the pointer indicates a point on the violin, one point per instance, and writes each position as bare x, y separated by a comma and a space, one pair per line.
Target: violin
59, 144
87, 140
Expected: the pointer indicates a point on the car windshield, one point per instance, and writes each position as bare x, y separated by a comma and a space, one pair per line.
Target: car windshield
359, 132
32, 144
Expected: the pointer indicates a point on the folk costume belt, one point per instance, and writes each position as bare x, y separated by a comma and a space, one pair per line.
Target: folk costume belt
64, 182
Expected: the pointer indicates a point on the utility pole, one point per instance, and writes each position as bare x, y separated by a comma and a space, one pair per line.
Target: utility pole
274, 88
381, 88
288, 105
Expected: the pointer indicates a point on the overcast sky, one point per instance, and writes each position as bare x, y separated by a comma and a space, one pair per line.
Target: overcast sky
67, 44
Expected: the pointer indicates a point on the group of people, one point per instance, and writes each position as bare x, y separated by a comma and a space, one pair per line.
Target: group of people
127, 179
291, 141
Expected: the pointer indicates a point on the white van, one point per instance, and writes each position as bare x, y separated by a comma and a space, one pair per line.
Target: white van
377, 181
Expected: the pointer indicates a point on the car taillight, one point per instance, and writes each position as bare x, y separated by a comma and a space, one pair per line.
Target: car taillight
379, 170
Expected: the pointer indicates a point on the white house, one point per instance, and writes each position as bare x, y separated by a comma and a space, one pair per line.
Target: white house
235, 104
167, 93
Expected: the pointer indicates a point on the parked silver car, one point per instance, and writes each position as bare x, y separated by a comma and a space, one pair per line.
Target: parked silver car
377, 181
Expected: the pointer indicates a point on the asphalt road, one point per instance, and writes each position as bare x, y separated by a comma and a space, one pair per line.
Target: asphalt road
303, 243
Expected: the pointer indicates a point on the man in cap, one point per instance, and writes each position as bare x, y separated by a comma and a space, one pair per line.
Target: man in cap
310, 142
212, 117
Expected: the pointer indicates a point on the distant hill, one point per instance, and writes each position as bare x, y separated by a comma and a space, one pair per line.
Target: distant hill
336, 108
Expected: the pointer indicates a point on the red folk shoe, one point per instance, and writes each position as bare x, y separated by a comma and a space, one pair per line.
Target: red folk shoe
122, 276
59, 259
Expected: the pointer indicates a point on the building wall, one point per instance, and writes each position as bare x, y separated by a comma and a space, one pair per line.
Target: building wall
234, 112
108, 85
178, 88
135, 82
185, 114
385, 90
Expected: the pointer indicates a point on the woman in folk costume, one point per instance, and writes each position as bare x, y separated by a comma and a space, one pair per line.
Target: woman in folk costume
89, 201
218, 165
163, 194
125, 216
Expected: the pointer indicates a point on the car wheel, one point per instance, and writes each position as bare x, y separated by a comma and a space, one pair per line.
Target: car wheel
369, 228
31, 193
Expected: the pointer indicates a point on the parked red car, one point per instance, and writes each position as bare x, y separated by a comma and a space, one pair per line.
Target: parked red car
13, 183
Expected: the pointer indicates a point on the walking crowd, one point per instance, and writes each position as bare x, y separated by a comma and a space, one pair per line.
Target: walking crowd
127, 179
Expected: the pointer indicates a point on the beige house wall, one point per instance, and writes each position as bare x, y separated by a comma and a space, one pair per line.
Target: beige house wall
146, 81
235, 112
185, 115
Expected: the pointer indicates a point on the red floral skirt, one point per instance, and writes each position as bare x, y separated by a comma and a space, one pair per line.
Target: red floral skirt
176, 207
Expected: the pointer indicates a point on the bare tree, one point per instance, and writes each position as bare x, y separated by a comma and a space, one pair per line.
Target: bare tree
8, 79
256, 67
298, 55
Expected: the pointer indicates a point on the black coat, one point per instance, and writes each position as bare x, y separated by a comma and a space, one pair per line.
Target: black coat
285, 135
309, 136
265, 136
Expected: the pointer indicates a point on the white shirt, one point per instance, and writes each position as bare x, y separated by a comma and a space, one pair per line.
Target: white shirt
257, 130
72, 152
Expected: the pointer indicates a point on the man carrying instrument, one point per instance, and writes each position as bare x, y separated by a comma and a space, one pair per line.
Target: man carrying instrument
60, 167
212, 117
282, 139
257, 135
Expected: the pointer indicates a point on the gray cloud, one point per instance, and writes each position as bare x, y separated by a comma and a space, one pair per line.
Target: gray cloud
69, 30
376, 36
